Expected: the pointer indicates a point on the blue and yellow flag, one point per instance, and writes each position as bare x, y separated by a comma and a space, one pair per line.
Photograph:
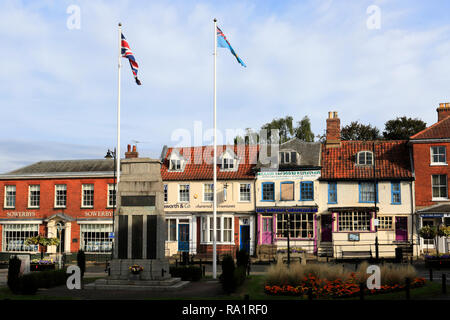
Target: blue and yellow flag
223, 43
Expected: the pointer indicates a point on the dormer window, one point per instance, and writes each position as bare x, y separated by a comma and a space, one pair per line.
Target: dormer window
175, 165
227, 163
176, 162
364, 158
288, 157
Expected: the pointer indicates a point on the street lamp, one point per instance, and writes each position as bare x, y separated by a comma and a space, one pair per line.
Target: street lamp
112, 154
60, 227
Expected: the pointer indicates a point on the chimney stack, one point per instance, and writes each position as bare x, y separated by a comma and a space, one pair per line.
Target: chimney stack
333, 130
131, 154
443, 111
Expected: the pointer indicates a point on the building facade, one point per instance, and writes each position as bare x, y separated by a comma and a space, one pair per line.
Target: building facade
287, 197
366, 196
187, 175
429, 149
70, 200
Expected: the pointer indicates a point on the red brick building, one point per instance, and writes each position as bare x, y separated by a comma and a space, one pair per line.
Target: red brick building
74, 196
429, 149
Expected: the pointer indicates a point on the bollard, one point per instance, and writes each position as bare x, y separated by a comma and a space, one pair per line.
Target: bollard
248, 269
310, 295
431, 275
361, 291
444, 283
176, 263
204, 270
407, 288
356, 267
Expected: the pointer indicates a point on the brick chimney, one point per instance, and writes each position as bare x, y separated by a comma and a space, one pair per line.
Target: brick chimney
443, 111
333, 130
131, 154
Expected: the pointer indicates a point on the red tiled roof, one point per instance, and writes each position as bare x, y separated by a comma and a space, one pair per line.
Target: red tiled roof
439, 130
200, 167
391, 160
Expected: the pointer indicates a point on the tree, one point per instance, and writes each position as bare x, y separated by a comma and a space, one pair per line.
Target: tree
283, 125
303, 130
42, 242
250, 137
358, 131
402, 128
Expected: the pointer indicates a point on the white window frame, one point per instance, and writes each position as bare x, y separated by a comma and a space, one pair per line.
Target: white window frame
179, 192
230, 164
206, 230
33, 186
5, 203
111, 188
366, 152
19, 241
438, 163
83, 188
249, 192
102, 243
386, 223
175, 165
60, 187
354, 221
446, 188
205, 193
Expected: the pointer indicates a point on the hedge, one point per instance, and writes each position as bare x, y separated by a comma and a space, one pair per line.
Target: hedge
29, 283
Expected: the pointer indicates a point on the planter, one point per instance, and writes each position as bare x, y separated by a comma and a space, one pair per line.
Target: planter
134, 276
42, 267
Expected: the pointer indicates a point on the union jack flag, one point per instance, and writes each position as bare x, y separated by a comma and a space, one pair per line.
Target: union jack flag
126, 53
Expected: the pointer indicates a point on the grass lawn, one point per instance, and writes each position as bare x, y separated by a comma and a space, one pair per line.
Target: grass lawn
254, 287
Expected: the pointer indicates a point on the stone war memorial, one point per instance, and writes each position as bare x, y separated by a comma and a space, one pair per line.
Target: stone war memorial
140, 231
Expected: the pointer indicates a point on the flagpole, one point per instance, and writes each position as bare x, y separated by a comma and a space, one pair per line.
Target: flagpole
215, 161
118, 107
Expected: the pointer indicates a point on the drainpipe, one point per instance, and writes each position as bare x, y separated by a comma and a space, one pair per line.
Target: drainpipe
255, 221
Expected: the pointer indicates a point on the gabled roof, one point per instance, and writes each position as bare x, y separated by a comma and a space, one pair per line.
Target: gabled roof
391, 161
439, 130
200, 167
61, 167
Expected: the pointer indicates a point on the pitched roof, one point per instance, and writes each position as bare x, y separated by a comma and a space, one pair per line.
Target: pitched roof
439, 130
200, 163
309, 154
391, 160
64, 167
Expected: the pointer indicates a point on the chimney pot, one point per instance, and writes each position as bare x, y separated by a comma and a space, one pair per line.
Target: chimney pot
443, 111
129, 148
134, 148
333, 135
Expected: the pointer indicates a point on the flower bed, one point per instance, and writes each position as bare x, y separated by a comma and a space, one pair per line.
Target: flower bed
42, 265
334, 289
438, 261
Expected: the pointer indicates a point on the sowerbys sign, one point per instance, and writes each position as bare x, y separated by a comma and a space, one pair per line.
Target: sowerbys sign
278, 175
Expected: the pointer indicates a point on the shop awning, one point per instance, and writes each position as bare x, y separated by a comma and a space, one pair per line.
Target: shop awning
435, 211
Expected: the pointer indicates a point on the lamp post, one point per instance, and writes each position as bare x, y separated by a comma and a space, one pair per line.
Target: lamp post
112, 154
60, 227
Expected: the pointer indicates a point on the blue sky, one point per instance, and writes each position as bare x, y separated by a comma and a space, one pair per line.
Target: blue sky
58, 87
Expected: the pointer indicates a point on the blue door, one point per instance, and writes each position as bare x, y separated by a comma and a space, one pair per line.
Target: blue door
183, 237
245, 238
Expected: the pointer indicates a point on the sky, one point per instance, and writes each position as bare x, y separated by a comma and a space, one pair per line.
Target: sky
58, 84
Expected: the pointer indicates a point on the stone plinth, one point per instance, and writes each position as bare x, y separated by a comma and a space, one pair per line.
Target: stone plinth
153, 269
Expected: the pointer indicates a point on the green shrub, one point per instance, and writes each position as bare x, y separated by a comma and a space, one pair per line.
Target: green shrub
81, 261
29, 284
188, 273
240, 274
227, 278
13, 274
242, 258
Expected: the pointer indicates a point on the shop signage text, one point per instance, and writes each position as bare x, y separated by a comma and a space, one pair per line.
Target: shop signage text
98, 214
310, 174
21, 214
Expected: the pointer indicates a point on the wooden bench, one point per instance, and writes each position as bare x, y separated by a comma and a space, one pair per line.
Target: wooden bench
356, 254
